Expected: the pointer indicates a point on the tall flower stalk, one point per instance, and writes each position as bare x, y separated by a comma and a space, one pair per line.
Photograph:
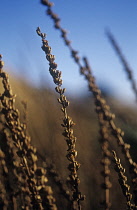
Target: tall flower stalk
67, 124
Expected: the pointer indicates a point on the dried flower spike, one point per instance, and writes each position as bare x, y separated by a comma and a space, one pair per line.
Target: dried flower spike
67, 124
123, 182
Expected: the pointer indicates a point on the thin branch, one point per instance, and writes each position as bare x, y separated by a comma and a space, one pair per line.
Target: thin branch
128, 70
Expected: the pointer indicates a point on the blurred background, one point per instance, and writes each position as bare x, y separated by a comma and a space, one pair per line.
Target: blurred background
86, 22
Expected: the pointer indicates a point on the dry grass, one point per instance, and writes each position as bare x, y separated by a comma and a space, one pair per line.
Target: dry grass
52, 147
33, 178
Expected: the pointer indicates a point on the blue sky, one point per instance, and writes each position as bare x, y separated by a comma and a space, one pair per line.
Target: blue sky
86, 22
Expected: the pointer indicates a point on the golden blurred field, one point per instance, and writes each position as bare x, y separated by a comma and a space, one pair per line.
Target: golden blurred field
44, 126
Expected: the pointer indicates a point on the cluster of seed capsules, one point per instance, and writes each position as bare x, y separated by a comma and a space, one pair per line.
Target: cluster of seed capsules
25, 151
18, 187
